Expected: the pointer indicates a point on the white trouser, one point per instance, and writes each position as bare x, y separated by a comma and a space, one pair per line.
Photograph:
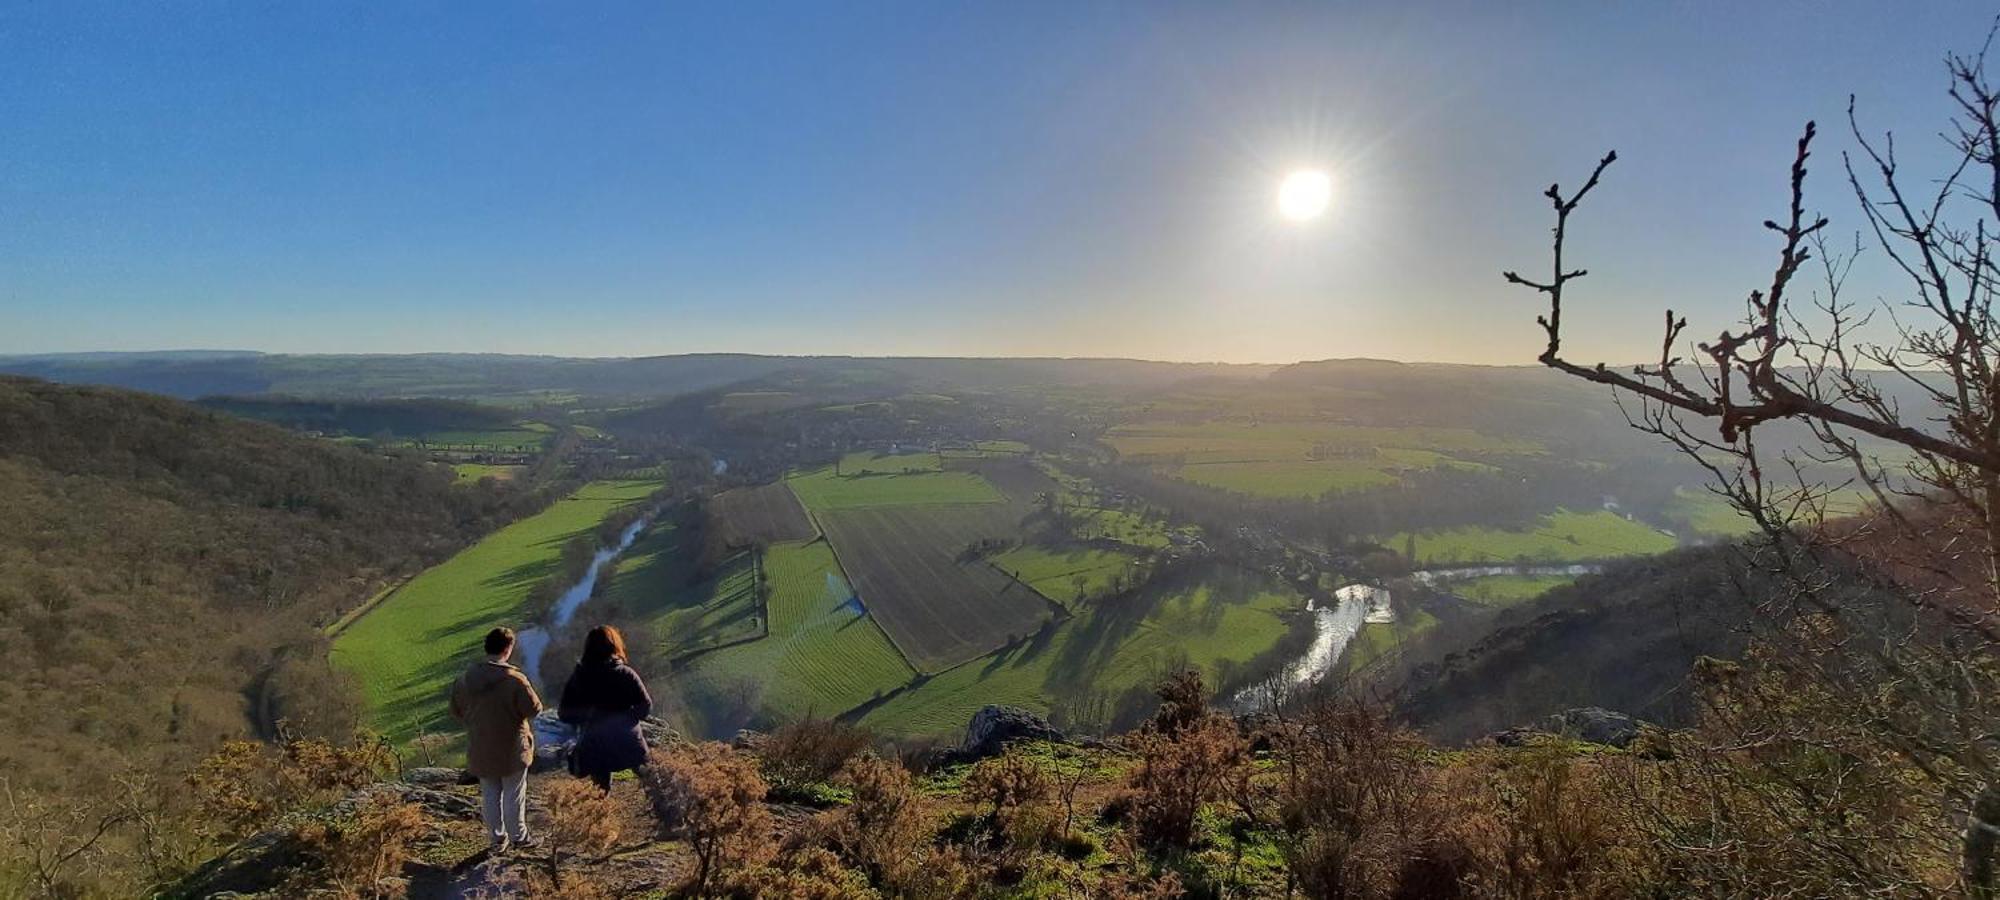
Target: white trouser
506, 809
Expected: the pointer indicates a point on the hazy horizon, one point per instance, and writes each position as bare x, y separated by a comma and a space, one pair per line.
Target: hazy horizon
1081, 181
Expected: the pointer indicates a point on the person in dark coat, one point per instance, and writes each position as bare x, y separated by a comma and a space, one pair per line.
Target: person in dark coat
606, 699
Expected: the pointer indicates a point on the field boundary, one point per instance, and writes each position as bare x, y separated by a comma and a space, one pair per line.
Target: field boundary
344, 620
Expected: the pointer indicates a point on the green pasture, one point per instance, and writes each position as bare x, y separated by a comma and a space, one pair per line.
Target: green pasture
1128, 528
1562, 536
655, 584
1057, 573
409, 648
821, 656
526, 436
869, 462
821, 490
1227, 616
1377, 640
1302, 460
1506, 590
468, 472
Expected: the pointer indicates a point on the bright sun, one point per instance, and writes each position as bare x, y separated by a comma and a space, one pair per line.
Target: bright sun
1303, 195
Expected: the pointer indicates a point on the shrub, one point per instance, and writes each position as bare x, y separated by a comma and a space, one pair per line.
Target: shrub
363, 857
1187, 756
803, 754
582, 822
884, 830
715, 799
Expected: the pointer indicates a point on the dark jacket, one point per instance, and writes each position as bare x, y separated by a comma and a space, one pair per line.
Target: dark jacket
606, 700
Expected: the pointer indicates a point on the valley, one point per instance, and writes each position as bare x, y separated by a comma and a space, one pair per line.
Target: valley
897, 551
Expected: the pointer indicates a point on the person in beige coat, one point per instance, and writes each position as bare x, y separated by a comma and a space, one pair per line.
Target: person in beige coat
495, 702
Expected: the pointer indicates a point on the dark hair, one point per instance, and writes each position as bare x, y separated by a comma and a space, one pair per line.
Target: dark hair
603, 643
498, 640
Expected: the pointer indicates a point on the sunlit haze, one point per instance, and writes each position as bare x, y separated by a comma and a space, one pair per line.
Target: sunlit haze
915, 179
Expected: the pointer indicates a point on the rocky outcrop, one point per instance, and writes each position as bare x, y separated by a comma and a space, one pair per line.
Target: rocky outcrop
994, 727
1590, 724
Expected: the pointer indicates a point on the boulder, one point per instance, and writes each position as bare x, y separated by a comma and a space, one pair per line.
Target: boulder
994, 727
1590, 724
1594, 724
432, 776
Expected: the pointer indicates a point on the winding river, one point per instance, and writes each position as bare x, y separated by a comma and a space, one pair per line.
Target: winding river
1357, 604
532, 642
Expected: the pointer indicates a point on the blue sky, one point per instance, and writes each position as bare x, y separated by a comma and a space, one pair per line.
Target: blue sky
996, 179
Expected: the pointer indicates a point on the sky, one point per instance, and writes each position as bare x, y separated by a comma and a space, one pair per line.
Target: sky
939, 179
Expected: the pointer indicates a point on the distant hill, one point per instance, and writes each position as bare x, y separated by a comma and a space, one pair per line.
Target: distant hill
190, 374
164, 570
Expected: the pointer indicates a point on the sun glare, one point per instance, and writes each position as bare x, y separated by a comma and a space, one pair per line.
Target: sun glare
1303, 195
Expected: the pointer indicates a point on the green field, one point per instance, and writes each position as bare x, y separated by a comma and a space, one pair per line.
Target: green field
1301, 460
1562, 536
1229, 616
1057, 573
655, 584
476, 471
822, 656
821, 490
1374, 641
1121, 526
526, 436
868, 462
407, 650
1506, 590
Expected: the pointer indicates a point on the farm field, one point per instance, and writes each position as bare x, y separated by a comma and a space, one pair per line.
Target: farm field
1372, 642
822, 491
476, 471
1228, 616
1562, 536
822, 656
904, 563
1506, 590
1058, 573
525, 437
409, 648
1301, 460
868, 462
765, 514
654, 582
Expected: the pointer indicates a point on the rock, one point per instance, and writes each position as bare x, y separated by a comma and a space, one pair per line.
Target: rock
432, 776
1594, 724
657, 732
747, 741
994, 727
1590, 724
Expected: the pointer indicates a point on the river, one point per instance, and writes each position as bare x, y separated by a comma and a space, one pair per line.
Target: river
1357, 604
532, 641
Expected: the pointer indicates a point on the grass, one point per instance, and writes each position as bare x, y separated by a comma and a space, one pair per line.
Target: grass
1712, 516
408, 649
821, 490
822, 656
1506, 590
468, 472
1056, 573
1302, 460
1562, 536
1306, 478
1374, 641
654, 582
529, 436
1121, 526
1230, 616
868, 462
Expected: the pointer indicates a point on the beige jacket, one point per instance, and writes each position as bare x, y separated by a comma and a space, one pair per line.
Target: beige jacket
496, 703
